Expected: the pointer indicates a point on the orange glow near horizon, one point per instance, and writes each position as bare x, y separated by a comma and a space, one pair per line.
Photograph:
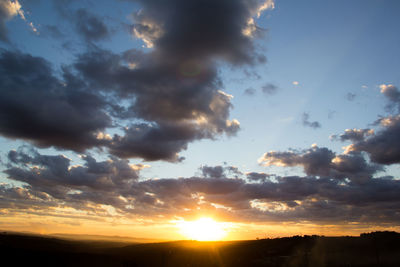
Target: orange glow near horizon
152, 230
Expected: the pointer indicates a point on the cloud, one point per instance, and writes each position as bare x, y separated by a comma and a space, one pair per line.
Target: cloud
200, 29
51, 182
153, 142
89, 26
220, 171
353, 135
250, 91
392, 94
269, 89
257, 176
54, 175
215, 172
384, 146
38, 107
175, 87
306, 121
320, 161
295, 83
8, 9
162, 99
351, 96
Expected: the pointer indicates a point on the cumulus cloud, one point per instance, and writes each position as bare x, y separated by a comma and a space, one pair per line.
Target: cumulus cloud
220, 171
162, 99
175, 87
53, 182
153, 142
353, 135
392, 94
321, 161
57, 177
213, 171
306, 121
38, 107
257, 176
384, 146
198, 29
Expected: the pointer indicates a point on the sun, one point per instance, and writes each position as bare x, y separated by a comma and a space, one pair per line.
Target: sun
203, 229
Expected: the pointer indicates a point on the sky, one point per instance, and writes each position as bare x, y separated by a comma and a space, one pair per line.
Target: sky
133, 117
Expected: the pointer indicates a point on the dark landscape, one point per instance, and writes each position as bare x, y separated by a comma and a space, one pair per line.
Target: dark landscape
371, 249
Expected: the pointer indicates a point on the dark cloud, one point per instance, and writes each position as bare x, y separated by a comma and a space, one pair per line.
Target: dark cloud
163, 99
257, 176
351, 96
250, 91
233, 171
200, 29
89, 26
269, 89
316, 160
215, 171
54, 175
323, 162
153, 142
220, 171
175, 87
306, 121
51, 181
384, 146
392, 94
353, 135
38, 107
252, 74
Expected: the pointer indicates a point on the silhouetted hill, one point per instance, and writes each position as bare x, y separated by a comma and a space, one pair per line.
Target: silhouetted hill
372, 249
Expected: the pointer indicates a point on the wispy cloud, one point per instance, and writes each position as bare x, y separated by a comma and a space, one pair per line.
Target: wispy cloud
306, 121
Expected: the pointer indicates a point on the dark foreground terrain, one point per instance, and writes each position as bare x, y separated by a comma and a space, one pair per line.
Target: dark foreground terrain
374, 249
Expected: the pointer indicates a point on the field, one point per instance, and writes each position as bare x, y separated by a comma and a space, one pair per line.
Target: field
374, 249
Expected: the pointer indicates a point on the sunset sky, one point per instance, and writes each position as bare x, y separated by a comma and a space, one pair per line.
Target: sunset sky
137, 117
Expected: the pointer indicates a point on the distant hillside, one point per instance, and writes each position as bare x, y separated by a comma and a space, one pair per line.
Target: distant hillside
122, 239
372, 249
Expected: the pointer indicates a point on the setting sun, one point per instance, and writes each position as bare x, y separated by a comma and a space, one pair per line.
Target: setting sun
203, 229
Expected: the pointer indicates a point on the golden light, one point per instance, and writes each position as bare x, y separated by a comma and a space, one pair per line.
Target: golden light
203, 229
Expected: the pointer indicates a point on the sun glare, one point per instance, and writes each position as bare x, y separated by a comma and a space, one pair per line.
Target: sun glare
203, 229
